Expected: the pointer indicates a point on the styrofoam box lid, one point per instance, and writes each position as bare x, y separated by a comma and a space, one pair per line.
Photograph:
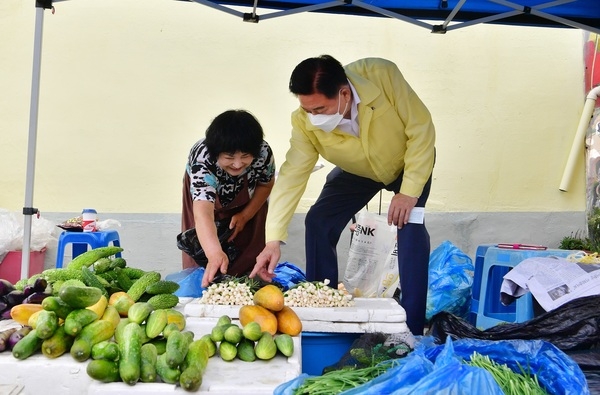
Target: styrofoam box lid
367, 315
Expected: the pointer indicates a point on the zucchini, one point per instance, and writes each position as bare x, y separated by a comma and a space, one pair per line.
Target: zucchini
79, 297
58, 344
89, 257
139, 286
130, 354
27, 346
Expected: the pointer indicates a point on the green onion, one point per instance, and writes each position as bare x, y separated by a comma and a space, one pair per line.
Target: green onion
511, 382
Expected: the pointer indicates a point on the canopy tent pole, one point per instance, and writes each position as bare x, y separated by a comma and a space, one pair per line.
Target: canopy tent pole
28, 209
576, 148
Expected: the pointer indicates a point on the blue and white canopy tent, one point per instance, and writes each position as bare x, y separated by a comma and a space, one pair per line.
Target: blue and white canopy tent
437, 16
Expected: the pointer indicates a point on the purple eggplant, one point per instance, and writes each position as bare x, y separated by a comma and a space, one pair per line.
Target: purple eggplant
15, 297
5, 315
4, 336
40, 284
6, 287
36, 298
3, 304
16, 336
28, 290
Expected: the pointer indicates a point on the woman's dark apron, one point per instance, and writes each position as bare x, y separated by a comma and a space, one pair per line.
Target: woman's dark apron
250, 241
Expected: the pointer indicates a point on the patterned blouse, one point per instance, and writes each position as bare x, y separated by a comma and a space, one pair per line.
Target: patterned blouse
208, 179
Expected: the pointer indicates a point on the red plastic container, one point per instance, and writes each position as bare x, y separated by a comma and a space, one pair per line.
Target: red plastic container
10, 267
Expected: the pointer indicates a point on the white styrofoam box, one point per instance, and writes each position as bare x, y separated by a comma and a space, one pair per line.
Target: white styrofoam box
65, 376
367, 315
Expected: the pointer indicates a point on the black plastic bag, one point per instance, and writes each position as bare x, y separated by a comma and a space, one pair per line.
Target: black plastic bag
572, 326
188, 242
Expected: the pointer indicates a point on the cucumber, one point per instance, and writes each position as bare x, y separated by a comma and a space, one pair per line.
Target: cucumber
139, 311
117, 262
160, 344
91, 280
106, 349
162, 287
89, 257
163, 301
196, 360
79, 297
130, 351
148, 363
123, 281
77, 319
165, 372
58, 344
91, 334
56, 304
177, 346
27, 346
156, 323
46, 324
139, 286
102, 265
103, 370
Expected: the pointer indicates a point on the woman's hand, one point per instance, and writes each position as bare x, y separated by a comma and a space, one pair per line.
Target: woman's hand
237, 223
266, 261
216, 263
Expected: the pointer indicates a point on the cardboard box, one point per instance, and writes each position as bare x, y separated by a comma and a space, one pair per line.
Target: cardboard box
10, 267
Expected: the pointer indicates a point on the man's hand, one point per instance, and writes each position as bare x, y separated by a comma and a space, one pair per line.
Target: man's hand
219, 262
266, 261
400, 208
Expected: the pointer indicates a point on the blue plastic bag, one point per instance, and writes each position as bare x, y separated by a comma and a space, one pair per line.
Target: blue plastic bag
288, 275
555, 370
450, 281
190, 282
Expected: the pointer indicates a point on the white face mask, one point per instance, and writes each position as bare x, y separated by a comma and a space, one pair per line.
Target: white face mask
328, 122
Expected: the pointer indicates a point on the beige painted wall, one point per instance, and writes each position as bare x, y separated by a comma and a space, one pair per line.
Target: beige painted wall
128, 86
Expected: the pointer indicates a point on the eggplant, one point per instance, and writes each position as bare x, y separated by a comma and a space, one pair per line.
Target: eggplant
6, 287
15, 297
28, 290
17, 335
40, 284
36, 298
5, 315
4, 336
3, 304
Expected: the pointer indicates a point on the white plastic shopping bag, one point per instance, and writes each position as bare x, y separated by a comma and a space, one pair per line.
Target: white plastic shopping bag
372, 269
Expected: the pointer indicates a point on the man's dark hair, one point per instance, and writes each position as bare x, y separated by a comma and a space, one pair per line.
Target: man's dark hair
232, 131
323, 74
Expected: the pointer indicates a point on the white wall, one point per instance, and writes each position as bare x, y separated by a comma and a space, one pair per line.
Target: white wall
128, 86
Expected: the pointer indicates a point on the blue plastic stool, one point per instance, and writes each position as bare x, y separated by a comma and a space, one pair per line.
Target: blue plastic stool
497, 262
81, 241
476, 289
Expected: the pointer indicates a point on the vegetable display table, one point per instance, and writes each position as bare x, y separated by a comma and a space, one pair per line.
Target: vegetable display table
65, 376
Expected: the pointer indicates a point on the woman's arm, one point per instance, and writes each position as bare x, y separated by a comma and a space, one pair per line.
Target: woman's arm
261, 194
204, 219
